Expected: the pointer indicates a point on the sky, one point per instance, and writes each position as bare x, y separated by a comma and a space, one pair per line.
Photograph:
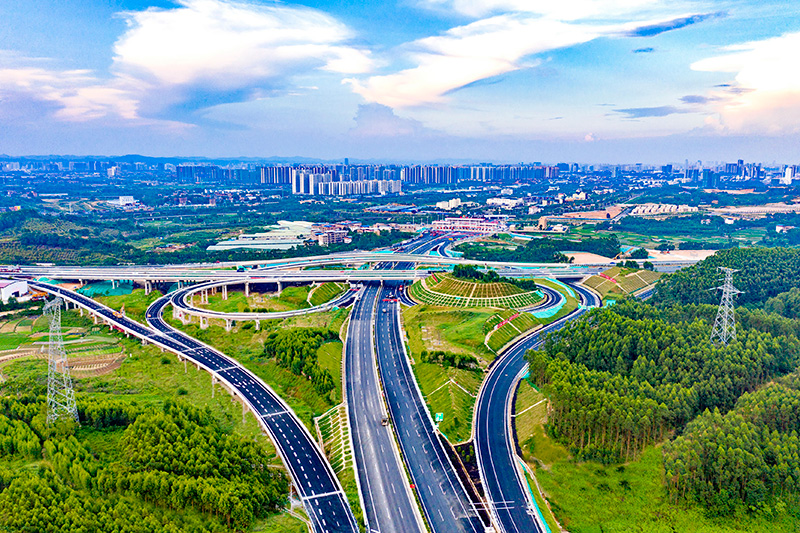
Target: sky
594, 81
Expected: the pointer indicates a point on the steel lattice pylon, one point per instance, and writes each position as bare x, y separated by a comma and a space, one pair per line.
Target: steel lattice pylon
60, 395
724, 329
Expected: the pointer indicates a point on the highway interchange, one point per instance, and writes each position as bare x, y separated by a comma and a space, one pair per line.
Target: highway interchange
398, 464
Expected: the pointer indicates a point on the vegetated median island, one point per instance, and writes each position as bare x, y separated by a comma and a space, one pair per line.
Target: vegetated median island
469, 287
633, 376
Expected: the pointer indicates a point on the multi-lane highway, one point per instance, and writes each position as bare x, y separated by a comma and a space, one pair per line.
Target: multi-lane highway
505, 488
377, 369
444, 499
316, 484
389, 505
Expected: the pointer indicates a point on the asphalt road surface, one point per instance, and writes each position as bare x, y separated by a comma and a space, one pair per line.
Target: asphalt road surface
316, 484
506, 491
389, 505
444, 500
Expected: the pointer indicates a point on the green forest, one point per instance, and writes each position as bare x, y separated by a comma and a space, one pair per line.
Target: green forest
638, 374
173, 469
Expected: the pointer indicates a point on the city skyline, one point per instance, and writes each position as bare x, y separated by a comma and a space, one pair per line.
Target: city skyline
413, 80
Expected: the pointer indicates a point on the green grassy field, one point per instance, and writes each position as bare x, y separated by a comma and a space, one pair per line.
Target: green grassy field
518, 324
452, 330
136, 303
326, 292
329, 356
290, 299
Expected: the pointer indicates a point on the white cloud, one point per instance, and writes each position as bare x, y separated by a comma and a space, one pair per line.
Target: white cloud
481, 50
172, 62
77, 94
766, 95
233, 44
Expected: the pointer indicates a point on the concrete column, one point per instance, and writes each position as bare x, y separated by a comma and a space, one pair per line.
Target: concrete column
258, 325
247, 289
185, 369
228, 324
213, 382
184, 318
203, 322
205, 296
81, 310
175, 313
244, 411
191, 300
95, 318
280, 287
144, 342
214, 290
148, 287
224, 292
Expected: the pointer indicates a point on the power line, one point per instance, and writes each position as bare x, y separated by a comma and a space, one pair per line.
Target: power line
60, 395
724, 329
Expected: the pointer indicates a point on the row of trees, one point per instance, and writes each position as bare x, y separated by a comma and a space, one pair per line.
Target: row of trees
296, 350
626, 375
749, 457
174, 457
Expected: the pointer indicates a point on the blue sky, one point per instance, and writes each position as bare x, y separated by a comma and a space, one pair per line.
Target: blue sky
600, 81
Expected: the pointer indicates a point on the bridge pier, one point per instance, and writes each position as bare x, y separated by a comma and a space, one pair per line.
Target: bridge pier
148, 287
224, 292
144, 342
213, 382
258, 325
280, 287
247, 289
184, 318
228, 324
95, 318
203, 322
81, 310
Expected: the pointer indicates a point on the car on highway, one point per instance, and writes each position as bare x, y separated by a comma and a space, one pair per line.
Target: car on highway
385, 420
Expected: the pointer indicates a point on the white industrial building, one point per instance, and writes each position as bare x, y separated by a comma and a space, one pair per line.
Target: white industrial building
12, 288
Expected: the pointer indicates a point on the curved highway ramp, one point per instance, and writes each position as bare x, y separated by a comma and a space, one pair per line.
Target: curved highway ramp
507, 493
317, 486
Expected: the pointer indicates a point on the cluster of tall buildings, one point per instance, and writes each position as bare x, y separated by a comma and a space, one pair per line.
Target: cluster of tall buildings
329, 184
344, 173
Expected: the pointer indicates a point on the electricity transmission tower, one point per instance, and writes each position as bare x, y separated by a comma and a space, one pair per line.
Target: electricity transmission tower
724, 329
60, 396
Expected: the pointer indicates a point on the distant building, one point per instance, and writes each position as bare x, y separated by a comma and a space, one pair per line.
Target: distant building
10, 288
471, 225
448, 205
332, 237
505, 203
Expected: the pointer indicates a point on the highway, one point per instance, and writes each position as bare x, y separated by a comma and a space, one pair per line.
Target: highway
444, 500
504, 485
389, 505
311, 474
289, 269
317, 486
